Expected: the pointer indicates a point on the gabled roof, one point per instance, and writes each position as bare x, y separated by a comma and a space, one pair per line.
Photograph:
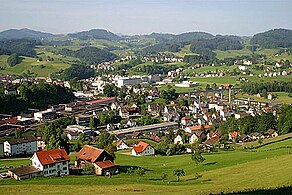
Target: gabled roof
105, 164
198, 127
47, 157
104, 100
120, 143
140, 147
89, 153
233, 134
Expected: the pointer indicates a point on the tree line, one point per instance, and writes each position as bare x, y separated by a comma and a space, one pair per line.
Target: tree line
282, 122
34, 96
260, 87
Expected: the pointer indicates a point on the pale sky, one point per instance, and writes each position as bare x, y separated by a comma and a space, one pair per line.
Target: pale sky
238, 17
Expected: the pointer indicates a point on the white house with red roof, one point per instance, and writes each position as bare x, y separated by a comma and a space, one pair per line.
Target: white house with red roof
186, 120
143, 149
121, 145
191, 129
52, 162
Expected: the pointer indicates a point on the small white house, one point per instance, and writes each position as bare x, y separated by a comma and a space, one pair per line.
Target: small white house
178, 139
143, 149
121, 145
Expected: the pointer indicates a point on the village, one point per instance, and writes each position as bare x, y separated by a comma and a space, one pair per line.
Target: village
180, 122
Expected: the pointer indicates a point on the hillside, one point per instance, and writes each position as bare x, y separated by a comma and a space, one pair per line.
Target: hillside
273, 38
23, 33
95, 34
223, 171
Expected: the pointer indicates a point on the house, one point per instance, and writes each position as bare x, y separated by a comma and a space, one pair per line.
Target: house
45, 115
271, 96
136, 135
100, 159
178, 139
121, 145
191, 129
186, 121
83, 119
197, 135
256, 135
25, 172
155, 108
74, 106
21, 146
271, 133
52, 162
233, 135
72, 135
41, 144
143, 149
155, 138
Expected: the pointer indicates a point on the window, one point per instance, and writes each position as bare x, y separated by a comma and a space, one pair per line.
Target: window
64, 168
64, 163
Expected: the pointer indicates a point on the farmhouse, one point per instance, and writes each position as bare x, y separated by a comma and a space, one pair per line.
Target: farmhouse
100, 159
52, 162
44, 163
143, 149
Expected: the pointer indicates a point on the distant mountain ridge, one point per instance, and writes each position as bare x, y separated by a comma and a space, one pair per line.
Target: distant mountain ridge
273, 38
95, 34
24, 33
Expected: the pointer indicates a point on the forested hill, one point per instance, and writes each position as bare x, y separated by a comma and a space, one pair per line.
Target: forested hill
273, 38
22, 47
90, 55
96, 34
23, 34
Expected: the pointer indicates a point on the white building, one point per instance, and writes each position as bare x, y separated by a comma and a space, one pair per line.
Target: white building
44, 115
52, 162
143, 149
121, 145
186, 84
128, 81
20, 146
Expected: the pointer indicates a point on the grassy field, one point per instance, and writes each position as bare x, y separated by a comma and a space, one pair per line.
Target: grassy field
282, 97
224, 171
232, 53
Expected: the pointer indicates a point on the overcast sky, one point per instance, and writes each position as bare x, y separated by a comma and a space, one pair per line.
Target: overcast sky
239, 17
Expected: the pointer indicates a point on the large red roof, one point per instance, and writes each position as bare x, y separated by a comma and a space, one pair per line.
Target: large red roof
47, 157
105, 164
89, 153
100, 101
140, 147
9, 121
198, 127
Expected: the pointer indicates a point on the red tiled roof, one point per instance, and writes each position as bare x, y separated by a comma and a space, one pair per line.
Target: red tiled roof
198, 127
100, 101
89, 153
233, 134
52, 156
9, 120
119, 143
185, 118
105, 164
140, 147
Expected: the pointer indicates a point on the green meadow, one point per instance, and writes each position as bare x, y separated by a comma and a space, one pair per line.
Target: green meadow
266, 167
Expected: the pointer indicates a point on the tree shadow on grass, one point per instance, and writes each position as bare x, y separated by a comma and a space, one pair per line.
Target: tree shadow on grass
210, 163
124, 169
